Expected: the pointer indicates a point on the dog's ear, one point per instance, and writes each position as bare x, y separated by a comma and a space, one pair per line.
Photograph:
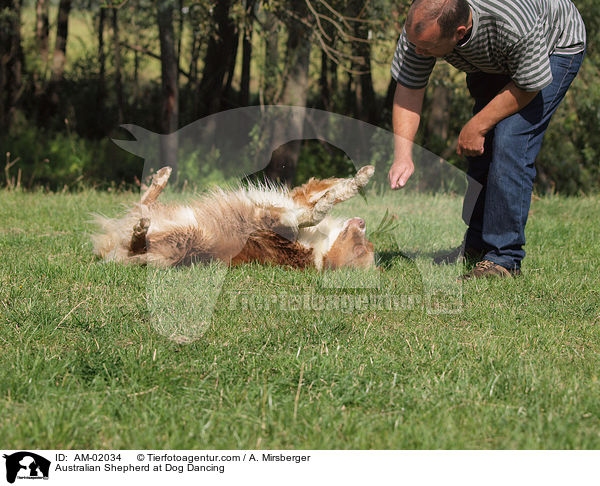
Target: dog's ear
359, 250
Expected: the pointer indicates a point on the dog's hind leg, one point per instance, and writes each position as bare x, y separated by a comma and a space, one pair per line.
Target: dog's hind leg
138, 238
317, 198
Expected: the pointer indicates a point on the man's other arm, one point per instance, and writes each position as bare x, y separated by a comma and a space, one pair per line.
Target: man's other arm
506, 103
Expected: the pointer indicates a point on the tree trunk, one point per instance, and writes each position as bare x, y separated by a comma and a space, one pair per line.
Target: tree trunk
295, 89
101, 86
245, 80
389, 94
136, 75
11, 61
295, 92
364, 92
226, 97
333, 77
220, 57
269, 93
169, 117
179, 35
438, 121
324, 88
117, 60
367, 108
101, 53
60, 47
328, 76
244, 98
195, 53
42, 29
350, 95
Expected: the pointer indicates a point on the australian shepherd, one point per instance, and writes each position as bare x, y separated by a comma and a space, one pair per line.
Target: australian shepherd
257, 223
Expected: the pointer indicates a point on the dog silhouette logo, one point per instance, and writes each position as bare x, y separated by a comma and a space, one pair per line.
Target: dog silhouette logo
238, 144
26, 465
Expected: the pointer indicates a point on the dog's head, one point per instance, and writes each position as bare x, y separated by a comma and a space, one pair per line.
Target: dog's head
351, 247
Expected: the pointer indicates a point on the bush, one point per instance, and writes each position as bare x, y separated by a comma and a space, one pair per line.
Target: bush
55, 160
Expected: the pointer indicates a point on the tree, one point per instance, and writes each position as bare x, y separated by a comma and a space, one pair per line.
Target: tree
364, 93
60, 47
42, 29
270, 75
117, 61
11, 61
169, 115
295, 88
248, 30
101, 87
219, 60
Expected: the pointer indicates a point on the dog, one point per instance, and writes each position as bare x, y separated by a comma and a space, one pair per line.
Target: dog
265, 223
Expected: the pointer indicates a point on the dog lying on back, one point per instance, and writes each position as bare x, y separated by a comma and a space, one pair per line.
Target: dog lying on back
258, 223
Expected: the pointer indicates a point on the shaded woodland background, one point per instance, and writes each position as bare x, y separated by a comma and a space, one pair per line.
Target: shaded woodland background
72, 71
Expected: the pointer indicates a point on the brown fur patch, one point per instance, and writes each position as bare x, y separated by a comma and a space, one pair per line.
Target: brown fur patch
182, 246
270, 247
272, 220
302, 195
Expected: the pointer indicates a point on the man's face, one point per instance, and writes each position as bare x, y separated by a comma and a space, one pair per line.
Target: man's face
430, 42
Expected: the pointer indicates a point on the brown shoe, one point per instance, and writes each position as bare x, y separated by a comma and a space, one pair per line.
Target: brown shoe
486, 268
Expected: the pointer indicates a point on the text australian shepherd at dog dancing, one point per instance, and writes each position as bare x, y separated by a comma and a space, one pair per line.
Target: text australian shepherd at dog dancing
520, 57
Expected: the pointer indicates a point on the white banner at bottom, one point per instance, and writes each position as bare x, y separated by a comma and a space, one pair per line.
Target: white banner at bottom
310, 467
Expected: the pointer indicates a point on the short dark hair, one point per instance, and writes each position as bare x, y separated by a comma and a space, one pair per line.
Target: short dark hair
449, 14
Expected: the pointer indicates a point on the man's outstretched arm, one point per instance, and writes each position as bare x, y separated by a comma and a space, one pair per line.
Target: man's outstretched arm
406, 116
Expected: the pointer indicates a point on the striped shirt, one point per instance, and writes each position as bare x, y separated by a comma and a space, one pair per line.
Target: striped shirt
512, 37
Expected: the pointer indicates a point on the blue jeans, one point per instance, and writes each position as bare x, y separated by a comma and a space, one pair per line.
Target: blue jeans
506, 170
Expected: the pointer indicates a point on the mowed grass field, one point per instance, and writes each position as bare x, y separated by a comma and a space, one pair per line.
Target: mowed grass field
84, 362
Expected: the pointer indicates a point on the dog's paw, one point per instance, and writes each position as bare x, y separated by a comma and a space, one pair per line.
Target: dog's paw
141, 228
364, 175
162, 176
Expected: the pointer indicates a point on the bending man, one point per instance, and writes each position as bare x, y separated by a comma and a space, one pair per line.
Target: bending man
520, 57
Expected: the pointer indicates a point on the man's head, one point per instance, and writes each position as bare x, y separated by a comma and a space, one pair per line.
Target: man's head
436, 26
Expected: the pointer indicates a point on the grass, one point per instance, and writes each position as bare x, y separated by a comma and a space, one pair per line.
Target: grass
85, 364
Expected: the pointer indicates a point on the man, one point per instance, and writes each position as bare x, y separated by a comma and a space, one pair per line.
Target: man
520, 57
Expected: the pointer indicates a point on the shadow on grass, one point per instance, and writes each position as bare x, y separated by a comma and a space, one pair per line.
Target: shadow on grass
385, 259
447, 256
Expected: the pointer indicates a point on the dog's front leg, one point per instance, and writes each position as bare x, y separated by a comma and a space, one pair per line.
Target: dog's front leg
323, 202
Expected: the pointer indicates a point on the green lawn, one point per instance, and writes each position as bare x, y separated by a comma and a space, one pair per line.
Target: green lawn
85, 362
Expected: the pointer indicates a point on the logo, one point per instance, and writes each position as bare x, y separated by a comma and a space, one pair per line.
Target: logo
239, 144
26, 465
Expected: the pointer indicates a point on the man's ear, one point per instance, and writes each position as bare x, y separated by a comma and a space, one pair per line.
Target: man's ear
460, 33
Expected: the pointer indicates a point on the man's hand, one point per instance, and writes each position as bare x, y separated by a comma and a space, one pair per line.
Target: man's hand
399, 173
471, 139
509, 101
